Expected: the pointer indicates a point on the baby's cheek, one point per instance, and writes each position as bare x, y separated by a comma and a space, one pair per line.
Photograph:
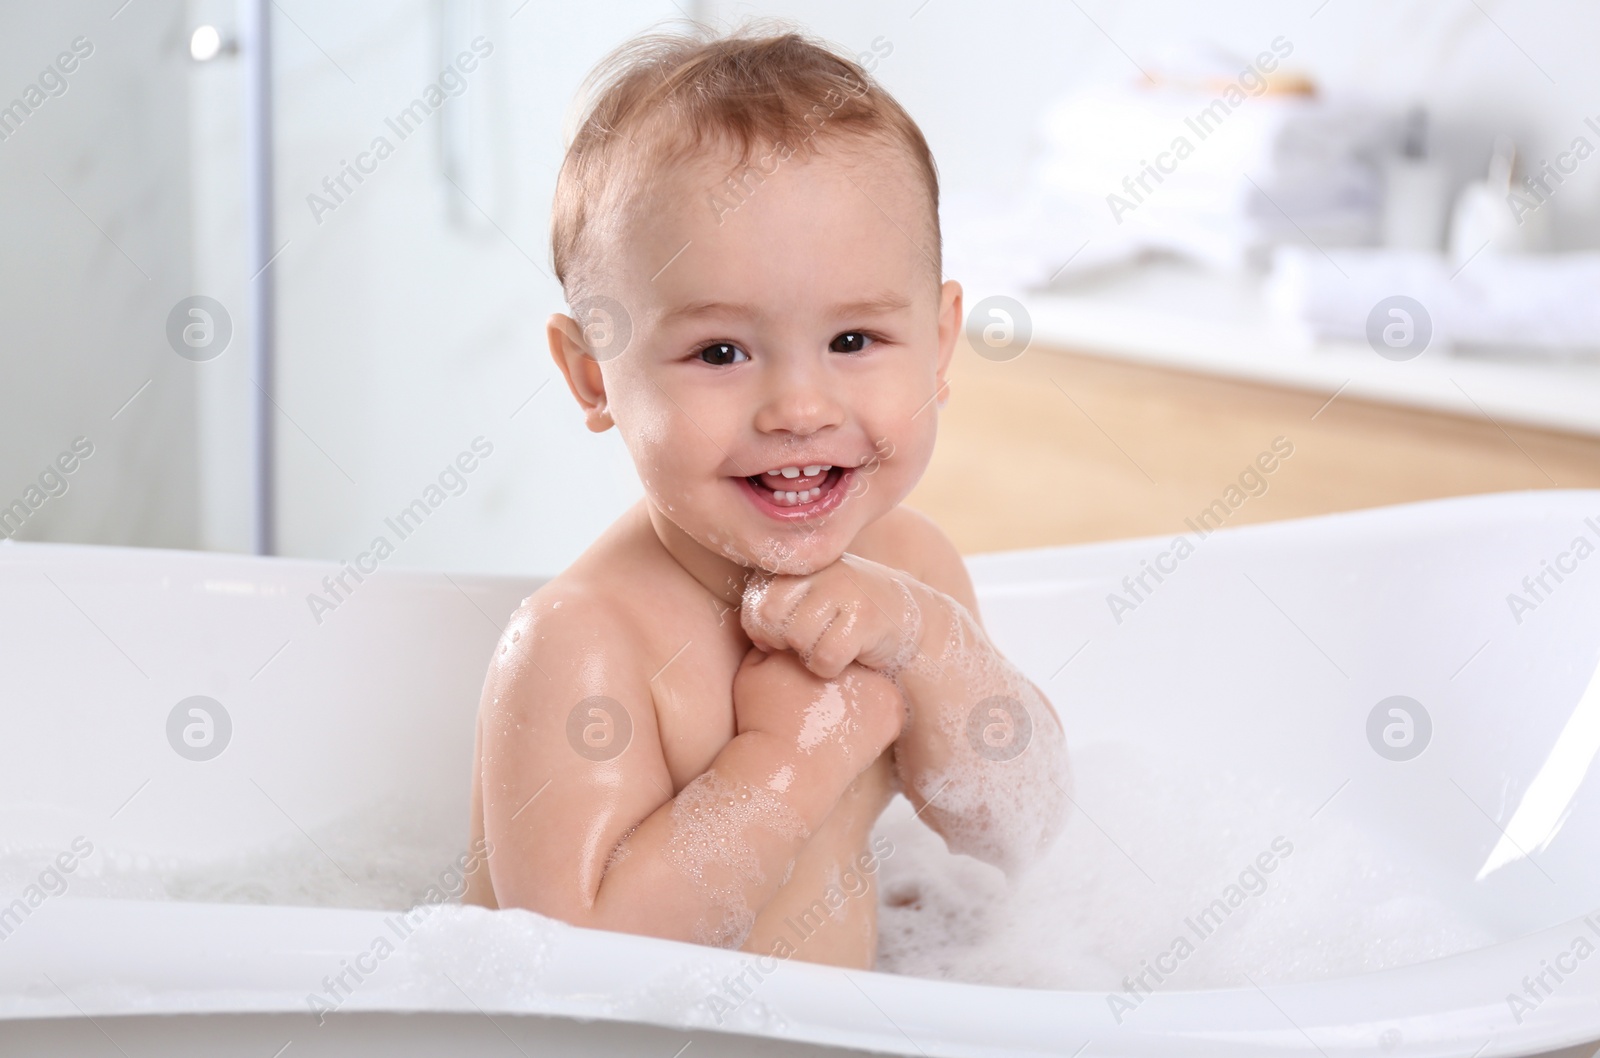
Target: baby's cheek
915, 444
646, 430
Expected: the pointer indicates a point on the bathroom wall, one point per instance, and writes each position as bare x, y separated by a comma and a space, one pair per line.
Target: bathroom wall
412, 313
975, 76
411, 309
412, 300
94, 252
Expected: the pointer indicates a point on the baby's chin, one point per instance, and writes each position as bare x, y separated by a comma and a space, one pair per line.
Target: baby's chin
774, 557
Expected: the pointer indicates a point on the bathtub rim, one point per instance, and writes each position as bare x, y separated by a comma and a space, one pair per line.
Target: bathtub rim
1451, 991
1004, 565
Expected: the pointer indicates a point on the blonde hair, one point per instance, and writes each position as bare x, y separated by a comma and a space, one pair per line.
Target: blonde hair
662, 98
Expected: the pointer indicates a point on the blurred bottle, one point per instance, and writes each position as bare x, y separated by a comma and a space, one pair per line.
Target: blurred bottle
1416, 192
1484, 221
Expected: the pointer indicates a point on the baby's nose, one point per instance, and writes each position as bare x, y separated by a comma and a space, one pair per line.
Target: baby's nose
800, 404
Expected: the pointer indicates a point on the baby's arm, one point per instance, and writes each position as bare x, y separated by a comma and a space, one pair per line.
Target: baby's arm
604, 843
983, 755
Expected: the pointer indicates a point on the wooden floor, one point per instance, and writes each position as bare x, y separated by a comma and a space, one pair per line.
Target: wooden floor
1058, 448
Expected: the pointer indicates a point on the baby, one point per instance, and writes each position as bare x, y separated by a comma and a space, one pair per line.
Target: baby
691, 731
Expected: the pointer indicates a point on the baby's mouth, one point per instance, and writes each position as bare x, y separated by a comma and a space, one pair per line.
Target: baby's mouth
797, 486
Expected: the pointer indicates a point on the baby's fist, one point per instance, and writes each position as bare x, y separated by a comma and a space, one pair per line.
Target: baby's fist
835, 616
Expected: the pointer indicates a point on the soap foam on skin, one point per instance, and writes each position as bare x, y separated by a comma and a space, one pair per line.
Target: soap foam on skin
1001, 811
755, 593
911, 631
710, 817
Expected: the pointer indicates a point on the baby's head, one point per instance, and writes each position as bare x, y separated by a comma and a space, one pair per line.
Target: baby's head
747, 231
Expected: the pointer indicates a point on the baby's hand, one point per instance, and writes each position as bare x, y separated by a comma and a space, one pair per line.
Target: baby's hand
860, 713
854, 610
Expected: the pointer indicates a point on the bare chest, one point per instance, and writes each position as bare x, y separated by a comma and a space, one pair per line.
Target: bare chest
692, 686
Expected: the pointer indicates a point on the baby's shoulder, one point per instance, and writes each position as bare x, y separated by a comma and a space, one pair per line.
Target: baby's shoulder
908, 540
570, 609
571, 632
895, 539
569, 679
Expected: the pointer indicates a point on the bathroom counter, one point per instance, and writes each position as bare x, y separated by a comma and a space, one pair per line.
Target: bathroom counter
1179, 316
1104, 447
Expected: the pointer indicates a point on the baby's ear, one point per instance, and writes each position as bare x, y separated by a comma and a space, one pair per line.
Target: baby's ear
949, 330
580, 368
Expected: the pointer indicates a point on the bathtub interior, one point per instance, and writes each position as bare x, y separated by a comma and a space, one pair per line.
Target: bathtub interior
1261, 658
1228, 707
357, 729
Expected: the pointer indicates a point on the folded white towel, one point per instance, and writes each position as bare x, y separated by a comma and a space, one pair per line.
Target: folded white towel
1224, 184
1543, 302
1267, 171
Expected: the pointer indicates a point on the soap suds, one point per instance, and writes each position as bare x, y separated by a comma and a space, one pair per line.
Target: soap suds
910, 628
1002, 804
1169, 833
1167, 838
709, 844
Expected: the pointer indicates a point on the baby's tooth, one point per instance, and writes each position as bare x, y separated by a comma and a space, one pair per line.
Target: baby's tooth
791, 472
811, 471
789, 498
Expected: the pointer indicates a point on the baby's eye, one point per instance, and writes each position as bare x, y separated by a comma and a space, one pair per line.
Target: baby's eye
850, 342
720, 354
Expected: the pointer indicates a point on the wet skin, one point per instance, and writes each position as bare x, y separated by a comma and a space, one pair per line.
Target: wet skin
687, 718
810, 327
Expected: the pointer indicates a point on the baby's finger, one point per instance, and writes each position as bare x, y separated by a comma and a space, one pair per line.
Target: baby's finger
756, 618
806, 623
768, 608
836, 649
753, 616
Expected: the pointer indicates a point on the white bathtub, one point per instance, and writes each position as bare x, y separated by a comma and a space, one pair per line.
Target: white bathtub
1264, 654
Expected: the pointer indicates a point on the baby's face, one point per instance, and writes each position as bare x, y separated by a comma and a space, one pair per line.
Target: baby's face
800, 328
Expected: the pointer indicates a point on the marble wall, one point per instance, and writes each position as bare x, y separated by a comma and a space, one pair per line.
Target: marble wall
414, 284
95, 249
